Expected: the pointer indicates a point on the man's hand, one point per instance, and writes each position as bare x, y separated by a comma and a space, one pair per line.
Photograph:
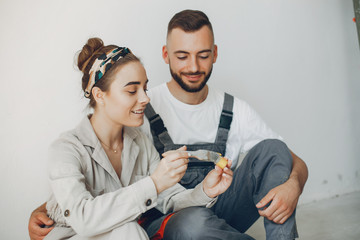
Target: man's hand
218, 180
37, 220
282, 199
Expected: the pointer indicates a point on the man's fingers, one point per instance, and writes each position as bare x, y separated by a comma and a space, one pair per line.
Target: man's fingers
37, 220
278, 213
43, 219
278, 216
265, 200
38, 232
284, 219
271, 211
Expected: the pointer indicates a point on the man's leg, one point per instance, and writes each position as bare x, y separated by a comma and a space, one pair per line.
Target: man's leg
200, 223
267, 165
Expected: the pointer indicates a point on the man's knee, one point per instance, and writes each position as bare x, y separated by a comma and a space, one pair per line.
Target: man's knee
273, 145
274, 148
270, 162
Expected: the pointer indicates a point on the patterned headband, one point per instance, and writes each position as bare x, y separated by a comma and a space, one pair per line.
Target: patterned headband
102, 64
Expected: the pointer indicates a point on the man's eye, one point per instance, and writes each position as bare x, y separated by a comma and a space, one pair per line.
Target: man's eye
204, 57
181, 57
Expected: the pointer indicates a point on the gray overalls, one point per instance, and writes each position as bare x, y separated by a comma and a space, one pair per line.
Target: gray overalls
235, 210
197, 170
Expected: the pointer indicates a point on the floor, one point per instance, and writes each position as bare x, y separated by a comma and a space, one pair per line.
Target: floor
336, 218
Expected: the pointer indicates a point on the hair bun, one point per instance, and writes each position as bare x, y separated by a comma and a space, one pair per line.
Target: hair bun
88, 50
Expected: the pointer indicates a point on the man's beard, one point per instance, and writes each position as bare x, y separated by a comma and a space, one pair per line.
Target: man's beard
186, 87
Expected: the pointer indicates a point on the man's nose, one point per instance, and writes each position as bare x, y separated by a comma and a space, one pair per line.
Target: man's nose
193, 65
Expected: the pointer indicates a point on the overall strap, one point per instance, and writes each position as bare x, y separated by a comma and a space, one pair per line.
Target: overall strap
159, 132
225, 119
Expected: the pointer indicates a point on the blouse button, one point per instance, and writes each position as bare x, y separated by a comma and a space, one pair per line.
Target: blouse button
148, 202
66, 213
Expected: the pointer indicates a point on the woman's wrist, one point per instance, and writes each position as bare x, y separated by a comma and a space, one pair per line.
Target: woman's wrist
156, 183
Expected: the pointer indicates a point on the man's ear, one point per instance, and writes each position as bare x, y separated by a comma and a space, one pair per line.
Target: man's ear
165, 54
98, 95
215, 53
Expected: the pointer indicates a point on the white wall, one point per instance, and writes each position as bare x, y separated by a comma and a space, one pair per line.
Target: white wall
296, 62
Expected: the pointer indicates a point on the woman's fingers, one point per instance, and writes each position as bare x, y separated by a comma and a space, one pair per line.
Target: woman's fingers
178, 163
228, 171
181, 149
229, 163
180, 170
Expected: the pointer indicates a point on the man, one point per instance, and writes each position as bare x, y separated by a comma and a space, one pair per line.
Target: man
186, 111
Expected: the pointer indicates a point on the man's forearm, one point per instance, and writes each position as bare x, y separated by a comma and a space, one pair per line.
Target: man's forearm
299, 171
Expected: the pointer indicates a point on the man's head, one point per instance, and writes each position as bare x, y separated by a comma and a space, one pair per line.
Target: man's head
189, 21
190, 50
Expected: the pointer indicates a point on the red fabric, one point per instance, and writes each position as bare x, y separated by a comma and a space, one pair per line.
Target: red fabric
141, 221
160, 234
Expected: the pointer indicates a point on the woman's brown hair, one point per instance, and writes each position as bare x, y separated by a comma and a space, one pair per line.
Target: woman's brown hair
93, 49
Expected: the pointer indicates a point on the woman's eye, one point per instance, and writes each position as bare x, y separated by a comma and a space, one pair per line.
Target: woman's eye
132, 92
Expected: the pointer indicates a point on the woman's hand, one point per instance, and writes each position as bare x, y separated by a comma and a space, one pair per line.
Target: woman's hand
170, 169
218, 180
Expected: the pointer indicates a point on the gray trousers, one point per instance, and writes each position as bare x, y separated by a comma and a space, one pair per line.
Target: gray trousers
267, 165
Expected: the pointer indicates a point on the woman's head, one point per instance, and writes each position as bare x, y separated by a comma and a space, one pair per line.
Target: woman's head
114, 80
90, 59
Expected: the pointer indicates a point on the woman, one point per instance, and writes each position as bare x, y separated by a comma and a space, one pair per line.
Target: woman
105, 173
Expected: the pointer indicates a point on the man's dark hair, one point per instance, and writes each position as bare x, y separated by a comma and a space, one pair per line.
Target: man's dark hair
189, 21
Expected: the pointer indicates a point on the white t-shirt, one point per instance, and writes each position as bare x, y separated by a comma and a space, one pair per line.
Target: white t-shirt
196, 124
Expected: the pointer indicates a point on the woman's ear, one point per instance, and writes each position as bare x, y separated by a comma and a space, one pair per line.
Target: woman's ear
98, 95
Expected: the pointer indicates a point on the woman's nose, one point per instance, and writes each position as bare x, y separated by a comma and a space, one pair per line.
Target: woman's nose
143, 98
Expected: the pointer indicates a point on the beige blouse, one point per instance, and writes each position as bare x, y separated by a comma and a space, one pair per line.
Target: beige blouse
89, 196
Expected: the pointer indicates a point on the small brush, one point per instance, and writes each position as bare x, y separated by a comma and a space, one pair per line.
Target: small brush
209, 156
